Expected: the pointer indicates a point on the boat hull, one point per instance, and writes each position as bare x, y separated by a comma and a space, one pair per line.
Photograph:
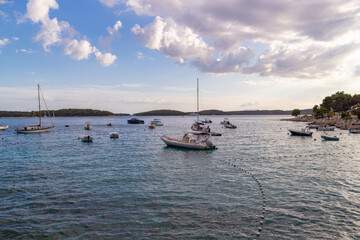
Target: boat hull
354, 131
327, 138
2, 127
300, 133
41, 130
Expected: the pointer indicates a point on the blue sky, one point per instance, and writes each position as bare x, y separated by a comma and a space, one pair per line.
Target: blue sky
138, 55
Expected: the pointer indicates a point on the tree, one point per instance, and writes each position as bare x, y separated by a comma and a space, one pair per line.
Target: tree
295, 112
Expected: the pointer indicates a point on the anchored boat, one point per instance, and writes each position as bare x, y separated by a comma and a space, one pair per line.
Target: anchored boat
188, 142
36, 128
303, 132
330, 138
3, 127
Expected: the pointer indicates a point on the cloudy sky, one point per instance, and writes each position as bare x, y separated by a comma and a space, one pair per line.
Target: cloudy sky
139, 55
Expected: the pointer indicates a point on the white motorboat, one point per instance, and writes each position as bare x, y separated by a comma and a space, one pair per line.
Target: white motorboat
190, 143
86, 138
114, 135
36, 128
199, 128
356, 131
226, 121
303, 132
3, 127
88, 126
157, 122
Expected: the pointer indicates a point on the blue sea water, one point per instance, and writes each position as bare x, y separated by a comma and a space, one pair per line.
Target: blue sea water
54, 186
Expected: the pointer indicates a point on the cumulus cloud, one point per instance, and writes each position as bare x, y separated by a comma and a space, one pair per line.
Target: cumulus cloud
4, 41
110, 3
315, 36
113, 33
54, 32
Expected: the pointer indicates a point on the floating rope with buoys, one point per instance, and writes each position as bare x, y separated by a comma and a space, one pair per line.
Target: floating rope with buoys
262, 218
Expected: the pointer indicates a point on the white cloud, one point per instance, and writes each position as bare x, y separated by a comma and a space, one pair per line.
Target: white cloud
4, 15
4, 41
115, 28
53, 32
16, 38
78, 50
6, 2
304, 38
110, 3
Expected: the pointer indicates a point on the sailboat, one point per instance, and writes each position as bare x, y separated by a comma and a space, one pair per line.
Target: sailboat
201, 140
35, 128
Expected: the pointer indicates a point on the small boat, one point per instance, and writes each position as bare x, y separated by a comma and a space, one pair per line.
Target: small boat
206, 121
226, 121
355, 131
114, 135
303, 132
215, 134
135, 121
199, 128
190, 143
325, 129
3, 127
36, 128
152, 126
67, 125
229, 125
157, 122
88, 126
109, 124
86, 138
312, 126
330, 138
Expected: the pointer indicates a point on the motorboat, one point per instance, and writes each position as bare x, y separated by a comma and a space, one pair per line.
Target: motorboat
135, 121
226, 121
88, 126
114, 135
36, 128
229, 125
356, 131
329, 138
3, 127
86, 138
157, 122
312, 126
152, 126
325, 129
199, 128
188, 142
303, 132
206, 121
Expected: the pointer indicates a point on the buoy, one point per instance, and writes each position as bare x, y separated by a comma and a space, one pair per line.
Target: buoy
17, 142
314, 139
2, 138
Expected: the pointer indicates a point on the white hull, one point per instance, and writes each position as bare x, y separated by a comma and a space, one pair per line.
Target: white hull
86, 138
2, 127
190, 145
114, 135
41, 130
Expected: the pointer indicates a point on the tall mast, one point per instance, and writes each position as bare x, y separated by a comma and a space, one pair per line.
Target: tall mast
198, 99
39, 105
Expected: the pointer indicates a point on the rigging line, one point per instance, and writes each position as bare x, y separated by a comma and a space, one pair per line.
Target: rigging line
42, 95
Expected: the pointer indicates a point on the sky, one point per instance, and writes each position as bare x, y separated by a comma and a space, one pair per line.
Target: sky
129, 56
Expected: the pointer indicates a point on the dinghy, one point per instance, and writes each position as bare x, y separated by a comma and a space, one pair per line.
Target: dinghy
190, 143
114, 135
86, 138
329, 138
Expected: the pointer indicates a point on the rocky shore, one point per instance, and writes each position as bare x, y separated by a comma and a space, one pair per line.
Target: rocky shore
335, 120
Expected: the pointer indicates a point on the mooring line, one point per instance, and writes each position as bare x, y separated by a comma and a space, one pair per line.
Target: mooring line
261, 222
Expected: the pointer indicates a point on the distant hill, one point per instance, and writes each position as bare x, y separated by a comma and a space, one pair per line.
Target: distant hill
163, 112
219, 112
71, 112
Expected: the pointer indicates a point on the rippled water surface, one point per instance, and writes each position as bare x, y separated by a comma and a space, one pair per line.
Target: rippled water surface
54, 186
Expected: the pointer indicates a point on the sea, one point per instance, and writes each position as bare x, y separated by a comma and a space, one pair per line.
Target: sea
260, 182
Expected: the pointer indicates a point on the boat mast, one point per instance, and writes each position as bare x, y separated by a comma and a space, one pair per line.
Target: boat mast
39, 105
197, 100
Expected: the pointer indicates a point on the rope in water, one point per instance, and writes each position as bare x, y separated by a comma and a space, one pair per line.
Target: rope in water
262, 218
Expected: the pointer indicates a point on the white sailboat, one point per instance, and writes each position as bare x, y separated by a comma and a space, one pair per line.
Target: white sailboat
35, 128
